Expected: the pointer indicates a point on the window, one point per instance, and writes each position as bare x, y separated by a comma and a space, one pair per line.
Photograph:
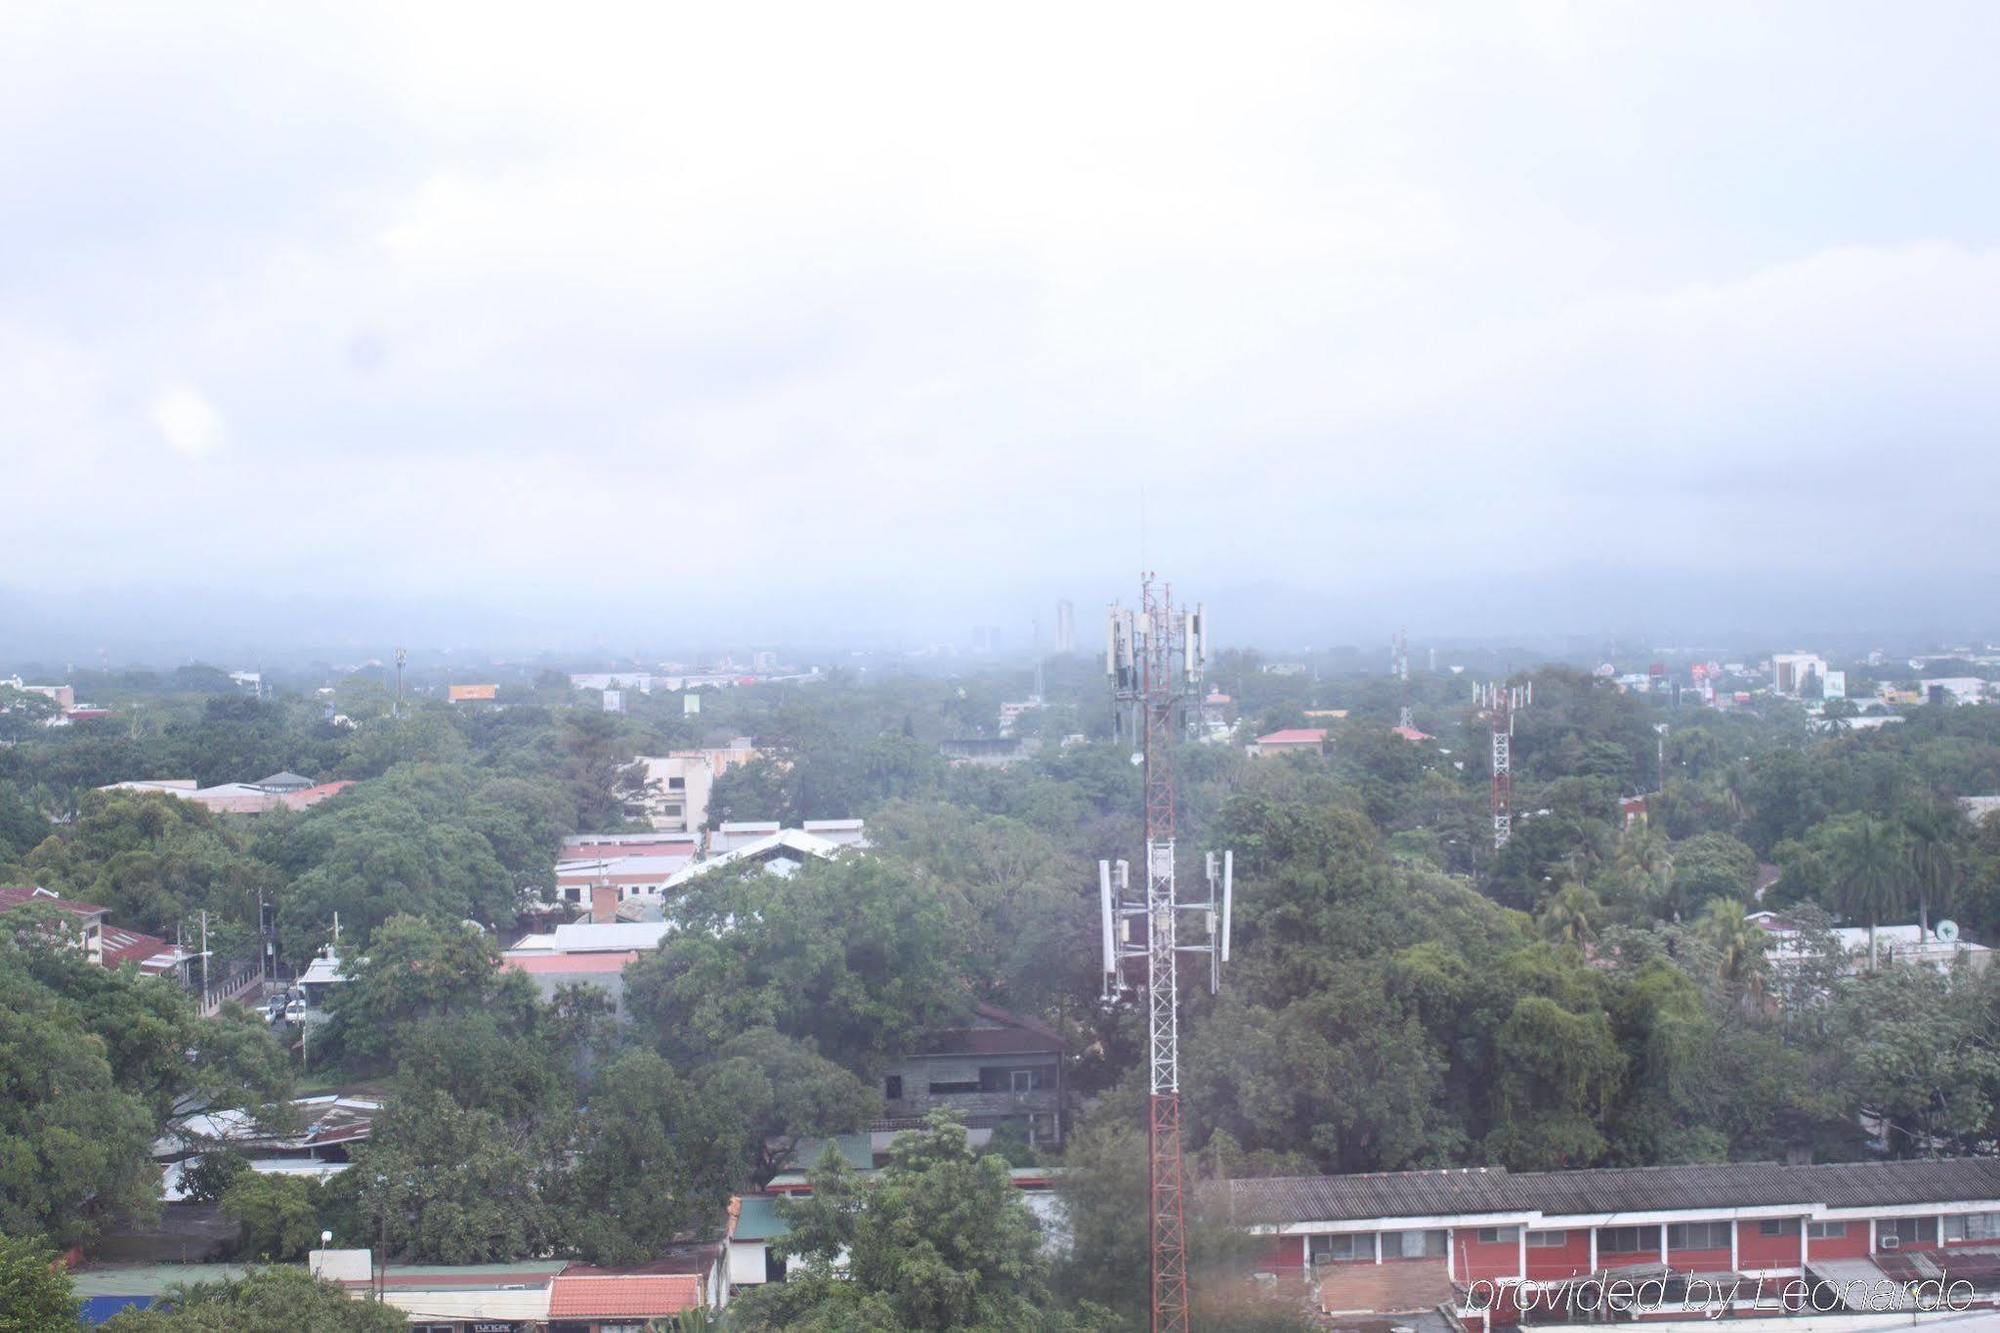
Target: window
1004, 1078
1628, 1240
1547, 1240
1413, 1245
1825, 1230
892, 1088
1895, 1233
1351, 1247
1973, 1226
1778, 1226
1698, 1236
1499, 1235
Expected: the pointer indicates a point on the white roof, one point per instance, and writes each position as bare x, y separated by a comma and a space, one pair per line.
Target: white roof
322, 969
594, 937
625, 865
527, 1304
772, 845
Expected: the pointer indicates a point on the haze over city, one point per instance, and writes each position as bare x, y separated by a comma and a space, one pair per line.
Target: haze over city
368, 321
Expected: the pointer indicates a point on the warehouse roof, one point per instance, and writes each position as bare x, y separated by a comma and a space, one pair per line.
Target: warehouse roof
1289, 1199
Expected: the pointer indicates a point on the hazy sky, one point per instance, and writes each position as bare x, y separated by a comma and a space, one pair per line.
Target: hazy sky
769, 307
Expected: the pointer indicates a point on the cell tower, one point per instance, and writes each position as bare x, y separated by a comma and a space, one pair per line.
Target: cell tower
1499, 700
1399, 667
1155, 658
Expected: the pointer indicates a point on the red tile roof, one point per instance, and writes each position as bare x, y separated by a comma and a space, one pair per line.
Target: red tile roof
624, 1296
1295, 736
569, 962
1411, 733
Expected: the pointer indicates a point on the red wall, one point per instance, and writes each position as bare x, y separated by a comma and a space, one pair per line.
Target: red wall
1281, 1254
1472, 1261
1756, 1250
1571, 1260
1854, 1245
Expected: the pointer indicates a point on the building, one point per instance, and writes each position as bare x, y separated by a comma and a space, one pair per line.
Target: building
465, 694
585, 953
328, 1128
1000, 1069
674, 788
1472, 1237
82, 924
63, 696
1893, 944
1065, 626
989, 751
633, 876
1411, 734
779, 851
1791, 671
1953, 690
548, 1295
612, 680
286, 791
1292, 740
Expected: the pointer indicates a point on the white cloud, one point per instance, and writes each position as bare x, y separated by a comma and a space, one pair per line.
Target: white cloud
188, 421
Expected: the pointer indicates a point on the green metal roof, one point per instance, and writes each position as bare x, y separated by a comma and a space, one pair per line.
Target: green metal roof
758, 1219
151, 1279
857, 1150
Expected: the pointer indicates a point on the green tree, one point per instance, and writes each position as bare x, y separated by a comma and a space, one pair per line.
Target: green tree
938, 1239
1742, 961
653, 1158
859, 955
448, 1185
265, 1300
782, 1090
415, 969
35, 1289
278, 1214
1867, 861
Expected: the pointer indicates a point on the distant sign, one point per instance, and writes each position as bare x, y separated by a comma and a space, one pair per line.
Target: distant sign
690, 704
1833, 685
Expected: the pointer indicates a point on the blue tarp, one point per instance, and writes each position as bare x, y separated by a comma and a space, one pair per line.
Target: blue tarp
99, 1309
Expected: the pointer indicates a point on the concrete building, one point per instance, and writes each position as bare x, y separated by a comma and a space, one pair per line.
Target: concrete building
999, 1069
1790, 671
1953, 690
674, 791
585, 953
1065, 626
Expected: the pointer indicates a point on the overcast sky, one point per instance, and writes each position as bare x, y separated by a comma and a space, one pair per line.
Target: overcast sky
960, 308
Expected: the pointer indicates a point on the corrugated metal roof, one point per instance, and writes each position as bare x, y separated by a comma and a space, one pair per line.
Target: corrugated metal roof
1288, 1199
758, 1219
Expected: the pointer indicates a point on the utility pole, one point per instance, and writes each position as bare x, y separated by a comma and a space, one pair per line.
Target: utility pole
1155, 659
402, 656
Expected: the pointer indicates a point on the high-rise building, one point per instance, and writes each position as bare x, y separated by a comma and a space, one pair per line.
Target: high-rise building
1065, 626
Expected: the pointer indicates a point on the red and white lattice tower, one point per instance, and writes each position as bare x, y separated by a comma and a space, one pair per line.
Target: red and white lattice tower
1155, 658
1499, 700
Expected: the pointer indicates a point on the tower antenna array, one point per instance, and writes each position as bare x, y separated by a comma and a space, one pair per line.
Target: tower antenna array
1155, 657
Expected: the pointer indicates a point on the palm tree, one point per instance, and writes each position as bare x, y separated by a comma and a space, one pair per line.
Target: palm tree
1741, 962
1570, 916
1869, 870
1933, 830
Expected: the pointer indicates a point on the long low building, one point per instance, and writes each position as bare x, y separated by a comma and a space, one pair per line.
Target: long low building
1410, 1241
